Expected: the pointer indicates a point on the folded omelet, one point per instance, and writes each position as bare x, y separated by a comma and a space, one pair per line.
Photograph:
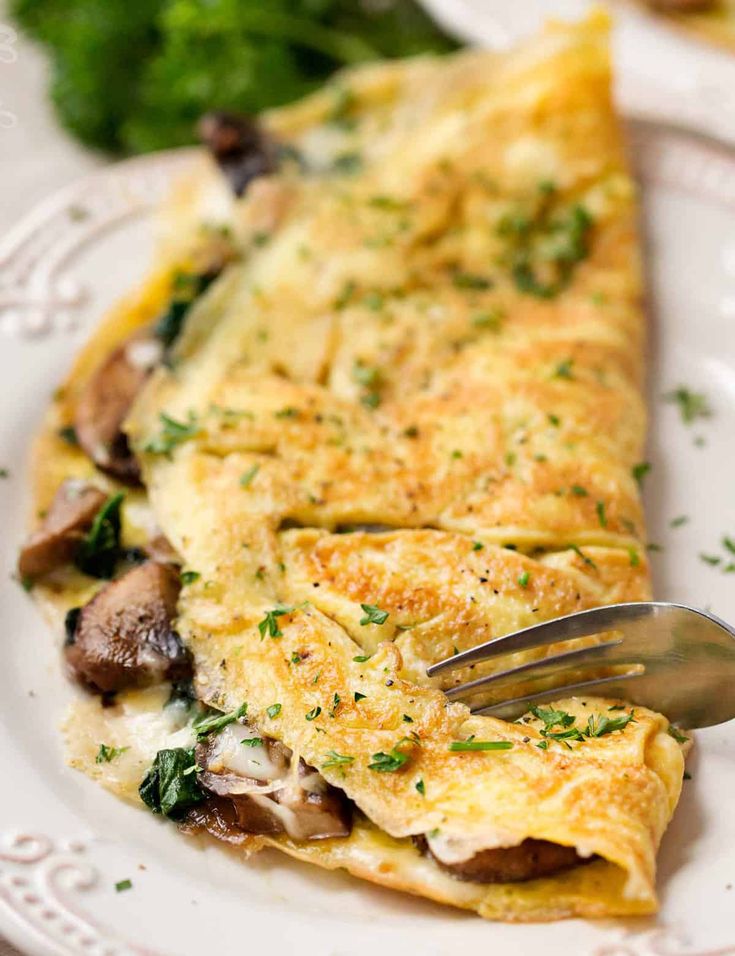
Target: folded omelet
387, 406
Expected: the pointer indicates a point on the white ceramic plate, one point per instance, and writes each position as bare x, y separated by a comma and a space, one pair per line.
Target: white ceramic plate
660, 72
64, 842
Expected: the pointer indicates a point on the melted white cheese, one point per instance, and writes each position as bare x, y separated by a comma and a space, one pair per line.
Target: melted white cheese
231, 754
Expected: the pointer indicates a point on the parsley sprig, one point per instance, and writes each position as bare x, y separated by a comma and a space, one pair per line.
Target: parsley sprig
692, 405
597, 725
394, 759
373, 615
335, 759
207, 724
459, 746
106, 754
269, 624
172, 434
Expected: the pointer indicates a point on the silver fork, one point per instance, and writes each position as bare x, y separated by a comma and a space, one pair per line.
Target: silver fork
674, 659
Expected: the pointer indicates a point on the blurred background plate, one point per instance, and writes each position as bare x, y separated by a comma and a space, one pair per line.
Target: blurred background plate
660, 74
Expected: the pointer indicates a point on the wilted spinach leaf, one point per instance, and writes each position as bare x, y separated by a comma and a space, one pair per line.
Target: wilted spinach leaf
171, 785
100, 547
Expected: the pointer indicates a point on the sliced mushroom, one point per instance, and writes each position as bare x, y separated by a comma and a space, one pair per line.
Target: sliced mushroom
530, 860
242, 150
270, 795
68, 518
125, 638
218, 817
105, 401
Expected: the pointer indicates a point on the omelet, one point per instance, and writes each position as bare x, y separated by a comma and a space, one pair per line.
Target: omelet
379, 401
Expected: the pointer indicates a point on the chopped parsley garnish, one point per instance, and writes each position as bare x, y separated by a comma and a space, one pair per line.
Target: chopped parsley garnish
170, 787
640, 471
123, 885
492, 320
370, 399
347, 163
374, 301
343, 299
601, 725
552, 718
99, 549
597, 726
344, 102
524, 578
579, 491
269, 624
389, 762
601, 516
580, 554
273, 711
477, 545
712, 559
373, 615
545, 246
554, 420
564, 369
106, 754
678, 736
468, 280
361, 658
172, 434
68, 433
421, 787
365, 374
370, 378
387, 203
288, 412
207, 724
679, 521
692, 405
251, 741
336, 760
314, 713
246, 477
359, 696
471, 744
407, 719
189, 577
633, 557
728, 544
